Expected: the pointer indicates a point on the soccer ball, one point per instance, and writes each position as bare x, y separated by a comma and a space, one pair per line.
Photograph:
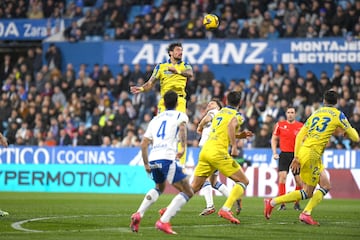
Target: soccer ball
211, 21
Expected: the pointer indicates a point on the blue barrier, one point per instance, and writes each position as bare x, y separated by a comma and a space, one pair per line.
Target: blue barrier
332, 159
236, 58
31, 29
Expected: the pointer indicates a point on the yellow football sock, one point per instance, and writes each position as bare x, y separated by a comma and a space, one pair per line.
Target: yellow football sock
236, 192
289, 197
314, 201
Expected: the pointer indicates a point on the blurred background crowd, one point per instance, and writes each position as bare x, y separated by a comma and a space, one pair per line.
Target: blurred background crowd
46, 101
174, 19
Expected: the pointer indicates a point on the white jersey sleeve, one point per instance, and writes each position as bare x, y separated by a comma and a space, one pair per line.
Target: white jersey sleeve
163, 130
207, 128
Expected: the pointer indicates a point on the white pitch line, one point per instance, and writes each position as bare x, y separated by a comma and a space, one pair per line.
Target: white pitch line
18, 225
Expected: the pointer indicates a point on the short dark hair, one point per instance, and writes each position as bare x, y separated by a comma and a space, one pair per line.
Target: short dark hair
172, 46
331, 97
234, 98
170, 99
217, 101
291, 106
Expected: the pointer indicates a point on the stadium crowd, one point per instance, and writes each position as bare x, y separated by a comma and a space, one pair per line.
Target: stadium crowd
177, 19
45, 106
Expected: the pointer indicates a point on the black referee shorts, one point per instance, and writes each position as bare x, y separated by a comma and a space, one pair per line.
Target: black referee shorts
285, 159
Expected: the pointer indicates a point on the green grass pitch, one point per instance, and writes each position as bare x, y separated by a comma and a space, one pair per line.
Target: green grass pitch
107, 216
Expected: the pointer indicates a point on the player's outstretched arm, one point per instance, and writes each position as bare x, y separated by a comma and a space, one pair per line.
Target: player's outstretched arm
144, 88
203, 122
244, 134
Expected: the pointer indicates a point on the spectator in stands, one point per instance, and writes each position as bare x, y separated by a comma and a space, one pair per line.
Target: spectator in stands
130, 139
5, 67
262, 137
93, 136
73, 33
35, 10
356, 31
53, 57
205, 77
50, 140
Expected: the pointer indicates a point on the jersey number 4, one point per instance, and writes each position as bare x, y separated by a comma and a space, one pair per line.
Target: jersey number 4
161, 131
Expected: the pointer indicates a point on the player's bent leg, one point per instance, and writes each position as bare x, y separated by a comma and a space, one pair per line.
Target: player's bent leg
298, 187
235, 194
282, 187
151, 196
317, 197
239, 188
221, 188
197, 183
178, 201
208, 195
293, 196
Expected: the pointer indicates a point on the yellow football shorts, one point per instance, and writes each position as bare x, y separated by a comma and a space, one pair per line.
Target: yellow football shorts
210, 161
310, 165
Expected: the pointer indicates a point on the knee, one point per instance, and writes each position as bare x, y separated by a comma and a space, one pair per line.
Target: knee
327, 187
160, 188
190, 193
246, 182
195, 187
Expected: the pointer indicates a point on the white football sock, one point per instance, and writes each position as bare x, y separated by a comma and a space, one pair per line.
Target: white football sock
178, 201
149, 199
222, 188
207, 190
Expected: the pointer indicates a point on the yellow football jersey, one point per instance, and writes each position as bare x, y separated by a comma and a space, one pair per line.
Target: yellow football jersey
170, 80
321, 125
219, 138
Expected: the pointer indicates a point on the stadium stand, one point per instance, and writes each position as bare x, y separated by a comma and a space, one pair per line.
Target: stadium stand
32, 97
